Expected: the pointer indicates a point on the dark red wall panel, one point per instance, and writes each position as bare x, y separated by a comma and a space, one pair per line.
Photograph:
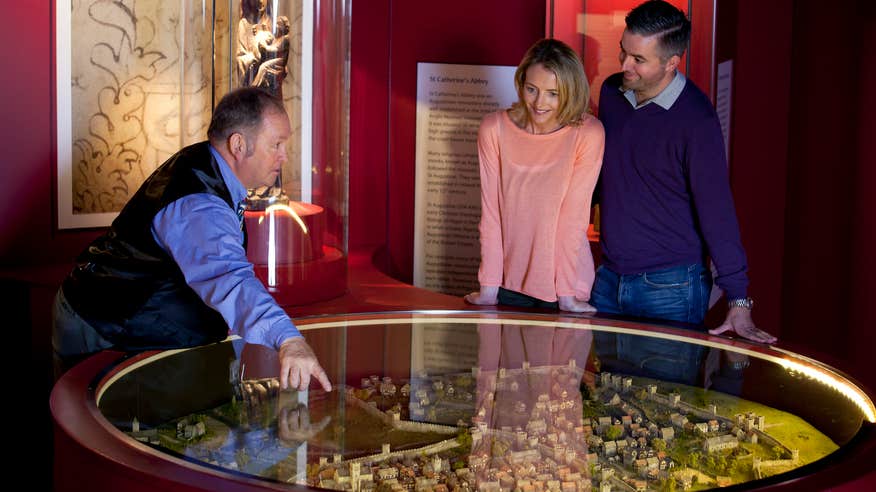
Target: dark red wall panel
489, 32
389, 39
369, 123
829, 267
28, 233
862, 315
759, 136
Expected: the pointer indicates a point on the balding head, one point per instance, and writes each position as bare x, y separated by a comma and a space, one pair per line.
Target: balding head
241, 111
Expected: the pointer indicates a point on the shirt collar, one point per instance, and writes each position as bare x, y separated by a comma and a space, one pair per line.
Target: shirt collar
235, 187
667, 96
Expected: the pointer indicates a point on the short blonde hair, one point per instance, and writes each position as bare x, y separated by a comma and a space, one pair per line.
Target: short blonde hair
573, 89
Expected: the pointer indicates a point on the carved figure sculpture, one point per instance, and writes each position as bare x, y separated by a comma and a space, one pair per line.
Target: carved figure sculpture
262, 47
261, 56
274, 56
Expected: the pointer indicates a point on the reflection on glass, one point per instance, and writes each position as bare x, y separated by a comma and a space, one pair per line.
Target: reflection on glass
536, 412
298, 51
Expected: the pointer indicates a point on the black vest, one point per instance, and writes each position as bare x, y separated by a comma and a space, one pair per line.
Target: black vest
130, 289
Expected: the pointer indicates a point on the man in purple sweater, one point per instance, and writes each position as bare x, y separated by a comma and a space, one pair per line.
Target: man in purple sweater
665, 201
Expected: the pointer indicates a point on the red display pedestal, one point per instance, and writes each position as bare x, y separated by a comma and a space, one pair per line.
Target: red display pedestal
285, 245
285, 234
307, 281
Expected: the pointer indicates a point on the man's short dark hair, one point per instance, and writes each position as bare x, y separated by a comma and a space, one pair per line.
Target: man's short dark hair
669, 24
241, 110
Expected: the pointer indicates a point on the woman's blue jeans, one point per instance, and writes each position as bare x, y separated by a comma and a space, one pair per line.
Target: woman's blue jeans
678, 294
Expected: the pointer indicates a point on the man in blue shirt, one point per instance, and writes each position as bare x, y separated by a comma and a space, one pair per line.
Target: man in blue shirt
665, 199
172, 271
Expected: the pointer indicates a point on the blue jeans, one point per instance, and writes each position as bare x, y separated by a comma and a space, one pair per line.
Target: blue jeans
73, 339
679, 294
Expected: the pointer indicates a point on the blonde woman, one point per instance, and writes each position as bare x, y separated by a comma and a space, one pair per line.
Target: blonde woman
539, 161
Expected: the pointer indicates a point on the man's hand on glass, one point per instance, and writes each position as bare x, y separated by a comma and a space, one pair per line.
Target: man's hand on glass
298, 364
739, 321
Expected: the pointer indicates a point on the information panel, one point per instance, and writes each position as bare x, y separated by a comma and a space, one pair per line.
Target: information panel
451, 101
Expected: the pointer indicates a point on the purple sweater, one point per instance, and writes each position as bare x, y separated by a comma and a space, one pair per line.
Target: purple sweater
664, 191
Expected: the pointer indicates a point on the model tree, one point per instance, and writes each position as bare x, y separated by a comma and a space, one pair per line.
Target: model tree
658, 444
613, 432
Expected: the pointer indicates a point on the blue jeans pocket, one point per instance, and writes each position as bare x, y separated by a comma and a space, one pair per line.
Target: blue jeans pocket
674, 294
667, 279
667, 302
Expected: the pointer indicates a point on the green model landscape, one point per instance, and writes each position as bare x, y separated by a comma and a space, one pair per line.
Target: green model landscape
527, 429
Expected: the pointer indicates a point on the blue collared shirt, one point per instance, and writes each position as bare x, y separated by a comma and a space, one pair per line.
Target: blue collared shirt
202, 234
665, 99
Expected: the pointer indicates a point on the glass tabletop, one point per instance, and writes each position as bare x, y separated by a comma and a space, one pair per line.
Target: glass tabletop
493, 401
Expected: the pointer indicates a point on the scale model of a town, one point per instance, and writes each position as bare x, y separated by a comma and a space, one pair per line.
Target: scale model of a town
527, 429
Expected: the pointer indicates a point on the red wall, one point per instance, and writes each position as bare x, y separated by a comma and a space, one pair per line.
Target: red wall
369, 123
830, 220
862, 316
27, 224
759, 139
801, 170
495, 32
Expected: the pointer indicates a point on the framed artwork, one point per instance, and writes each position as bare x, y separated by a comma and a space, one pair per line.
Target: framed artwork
133, 87
137, 81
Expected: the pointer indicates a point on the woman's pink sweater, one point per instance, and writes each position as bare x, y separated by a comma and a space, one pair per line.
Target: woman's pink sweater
535, 206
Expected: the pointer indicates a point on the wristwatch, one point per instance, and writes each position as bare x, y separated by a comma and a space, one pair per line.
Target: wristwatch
745, 302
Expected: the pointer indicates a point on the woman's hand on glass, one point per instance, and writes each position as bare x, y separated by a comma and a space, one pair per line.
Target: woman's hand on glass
575, 305
487, 296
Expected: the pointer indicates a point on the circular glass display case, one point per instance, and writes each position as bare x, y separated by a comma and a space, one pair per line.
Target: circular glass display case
483, 401
298, 51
